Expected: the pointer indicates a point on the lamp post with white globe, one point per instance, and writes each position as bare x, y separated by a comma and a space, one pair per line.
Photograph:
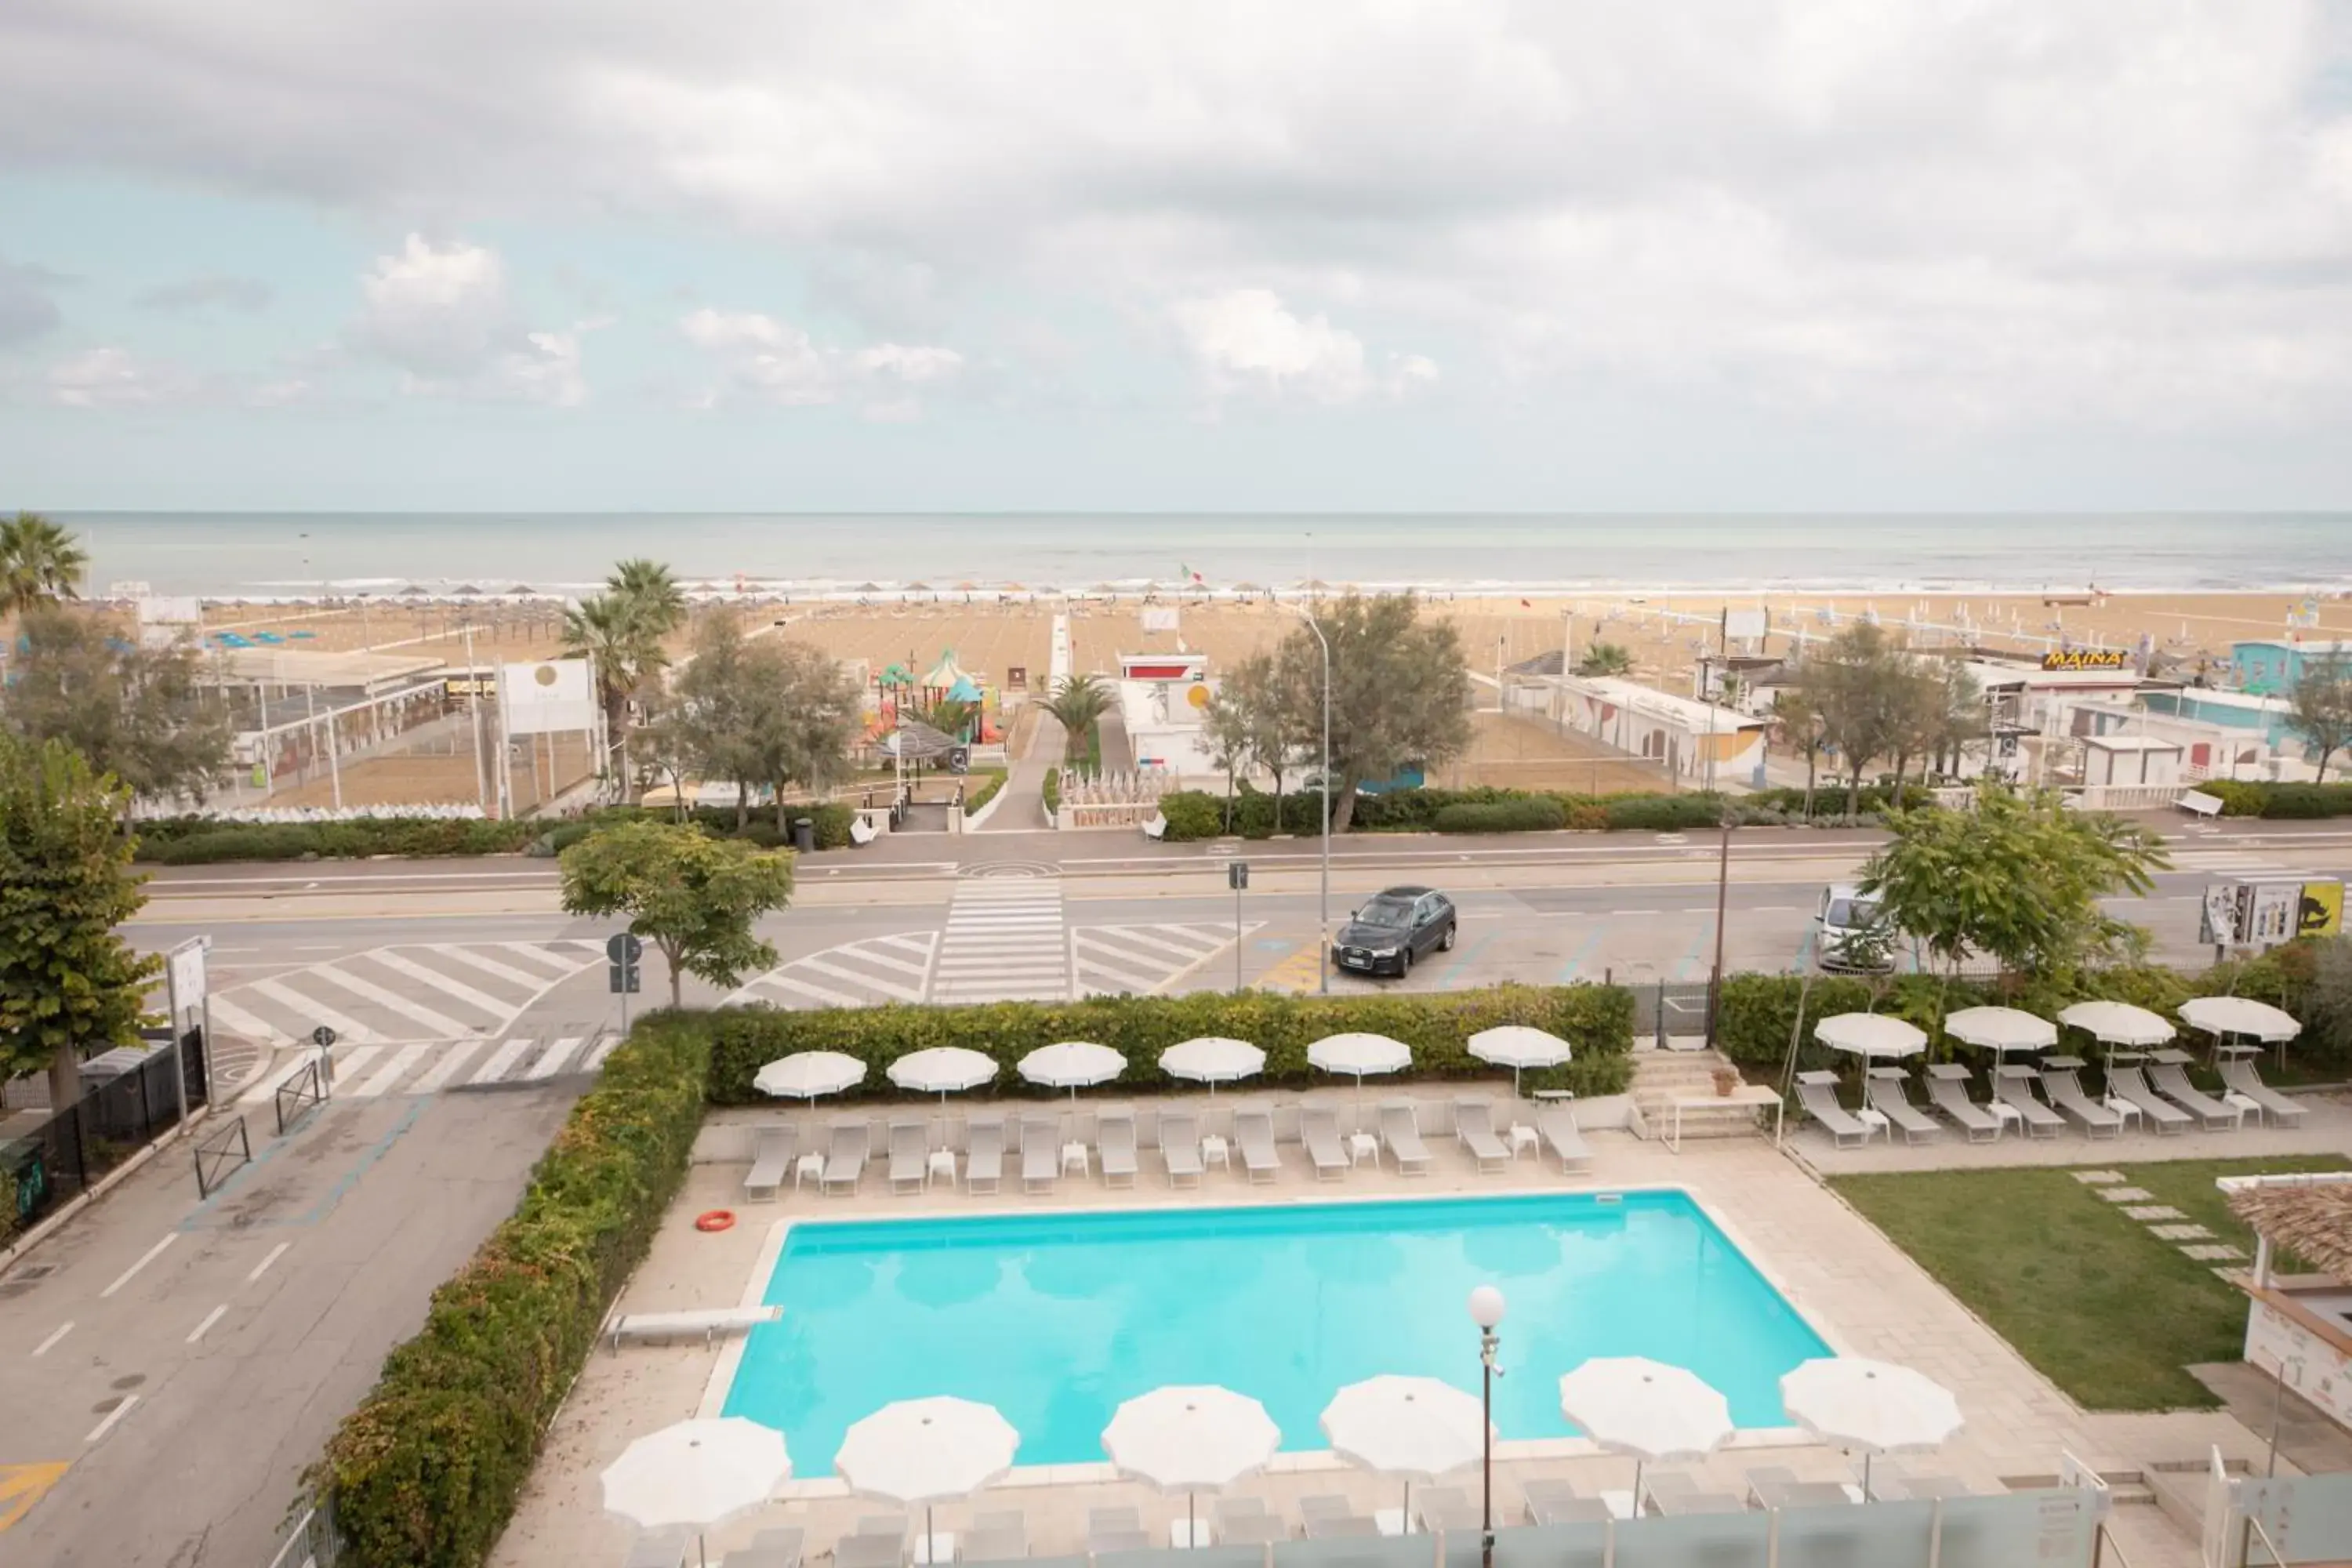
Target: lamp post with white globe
1486, 1309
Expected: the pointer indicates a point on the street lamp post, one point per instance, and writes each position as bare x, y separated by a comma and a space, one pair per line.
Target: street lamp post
1486, 1307
1323, 939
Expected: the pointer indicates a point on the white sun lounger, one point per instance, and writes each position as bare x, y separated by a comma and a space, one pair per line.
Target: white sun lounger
911, 1146
1401, 1135
770, 1549
705, 1324
1817, 1092
1948, 1091
983, 1168
844, 1160
2240, 1074
1041, 1153
2167, 1071
1253, 1132
666, 1548
1557, 1127
1473, 1129
2013, 1086
2127, 1084
1115, 1144
2066, 1092
1180, 1148
772, 1149
1887, 1090
1318, 1129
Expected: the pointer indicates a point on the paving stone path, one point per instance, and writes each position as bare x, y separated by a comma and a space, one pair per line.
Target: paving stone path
2163, 1221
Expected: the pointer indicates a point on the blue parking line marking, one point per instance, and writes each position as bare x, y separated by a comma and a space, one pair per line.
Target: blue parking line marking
335, 1194
1456, 973
1688, 963
1574, 968
1804, 952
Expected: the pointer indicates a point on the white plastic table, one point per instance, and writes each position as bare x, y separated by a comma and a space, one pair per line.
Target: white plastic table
1075, 1158
1874, 1121
1522, 1139
2123, 1108
808, 1167
2005, 1116
2245, 1106
1363, 1146
1214, 1151
941, 1163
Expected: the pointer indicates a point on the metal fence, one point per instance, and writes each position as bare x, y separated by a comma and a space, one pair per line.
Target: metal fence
75, 1147
1664, 1008
310, 1538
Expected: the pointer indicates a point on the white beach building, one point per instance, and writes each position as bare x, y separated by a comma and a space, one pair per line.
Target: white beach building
1700, 745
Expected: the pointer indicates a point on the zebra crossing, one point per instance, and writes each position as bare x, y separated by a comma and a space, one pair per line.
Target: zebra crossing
409, 993
854, 974
1109, 960
1004, 941
2232, 862
371, 1071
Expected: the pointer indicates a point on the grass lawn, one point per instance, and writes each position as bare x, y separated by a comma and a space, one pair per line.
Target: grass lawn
2107, 1311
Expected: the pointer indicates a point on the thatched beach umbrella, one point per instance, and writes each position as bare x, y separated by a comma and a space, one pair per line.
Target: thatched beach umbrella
2312, 1221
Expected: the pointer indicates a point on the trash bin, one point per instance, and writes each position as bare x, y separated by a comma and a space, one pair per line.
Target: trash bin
803, 834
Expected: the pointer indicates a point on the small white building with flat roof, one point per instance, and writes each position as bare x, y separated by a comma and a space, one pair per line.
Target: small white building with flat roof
1699, 743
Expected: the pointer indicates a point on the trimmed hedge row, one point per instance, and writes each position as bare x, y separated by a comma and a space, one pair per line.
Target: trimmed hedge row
200, 841
2280, 802
1501, 817
1598, 1020
1195, 814
427, 1471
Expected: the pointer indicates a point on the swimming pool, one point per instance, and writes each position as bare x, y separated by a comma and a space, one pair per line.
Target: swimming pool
1055, 1319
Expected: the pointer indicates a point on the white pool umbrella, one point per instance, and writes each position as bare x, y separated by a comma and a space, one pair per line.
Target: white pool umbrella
920, 1452
1189, 1439
2116, 1024
696, 1474
1212, 1059
1359, 1055
1518, 1047
1873, 1406
1414, 1428
1631, 1405
942, 1071
1871, 1035
2240, 1016
1072, 1065
805, 1075
2000, 1029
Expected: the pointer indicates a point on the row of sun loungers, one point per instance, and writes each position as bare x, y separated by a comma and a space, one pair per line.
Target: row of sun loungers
894, 1541
1040, 1148
2158, 1094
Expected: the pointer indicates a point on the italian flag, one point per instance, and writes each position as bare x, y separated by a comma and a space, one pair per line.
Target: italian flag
1191, 576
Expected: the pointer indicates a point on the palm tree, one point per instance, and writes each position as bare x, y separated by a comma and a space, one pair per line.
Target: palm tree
1078, 702
622, 649
1605, 658
39, 563
651, 591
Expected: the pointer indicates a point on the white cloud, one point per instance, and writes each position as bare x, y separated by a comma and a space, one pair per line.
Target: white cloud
206, 290
113, 378
756, 356
1245, 340
441, 313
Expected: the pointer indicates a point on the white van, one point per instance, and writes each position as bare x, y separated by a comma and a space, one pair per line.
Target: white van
1844, 915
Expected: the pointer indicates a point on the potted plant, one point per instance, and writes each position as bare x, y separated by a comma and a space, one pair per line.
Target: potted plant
1727, 1079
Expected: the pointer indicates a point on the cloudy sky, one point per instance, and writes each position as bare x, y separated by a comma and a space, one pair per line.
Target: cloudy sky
745, 253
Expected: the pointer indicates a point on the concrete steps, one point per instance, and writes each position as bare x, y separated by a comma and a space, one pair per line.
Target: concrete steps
1659, 1076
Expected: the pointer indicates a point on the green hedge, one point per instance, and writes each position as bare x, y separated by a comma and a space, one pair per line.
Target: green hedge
2287, 801
426, 1472
1597, 1019
197, 841
1539, 815
991, 781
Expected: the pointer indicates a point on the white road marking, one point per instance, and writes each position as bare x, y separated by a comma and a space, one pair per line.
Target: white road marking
500, 1059
117, 1414
314, 1011
230, 1017
490, 965
392, 1071
348, 1063
268, 1087
894, 989
595, 1057
210, 1319
565, 962
446, 1067
261, 1267
551, 1061
147, 1257
440, 1024
816, 992
43, 1348
443, 983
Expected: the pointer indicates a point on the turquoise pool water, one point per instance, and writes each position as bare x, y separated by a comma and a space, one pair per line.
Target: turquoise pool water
1055, 1319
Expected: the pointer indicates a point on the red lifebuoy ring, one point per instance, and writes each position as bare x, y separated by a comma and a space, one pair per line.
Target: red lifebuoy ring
715, 1219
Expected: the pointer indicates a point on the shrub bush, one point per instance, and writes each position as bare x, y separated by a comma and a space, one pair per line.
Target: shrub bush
426, 1472
1597, 1019
202, 842
1537, 814
1191, 814
1664, 813
2238, 797
990, 781
2303, 802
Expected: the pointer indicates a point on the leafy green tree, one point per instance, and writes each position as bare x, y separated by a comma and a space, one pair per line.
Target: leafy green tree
1400, 691
70, 985
1858, 684
802, 717
39, 563
692, 896
1797, 724
1606, 658
2320, 709
2018, 879
137, 713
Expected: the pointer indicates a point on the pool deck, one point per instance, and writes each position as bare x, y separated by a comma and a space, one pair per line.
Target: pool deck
1860, 1291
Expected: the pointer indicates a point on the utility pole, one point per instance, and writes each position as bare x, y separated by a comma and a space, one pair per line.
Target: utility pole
474, 711
1722, 903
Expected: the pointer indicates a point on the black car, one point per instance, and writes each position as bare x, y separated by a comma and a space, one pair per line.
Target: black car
1396, 926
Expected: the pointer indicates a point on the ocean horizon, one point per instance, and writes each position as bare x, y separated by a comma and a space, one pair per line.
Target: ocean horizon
258, 554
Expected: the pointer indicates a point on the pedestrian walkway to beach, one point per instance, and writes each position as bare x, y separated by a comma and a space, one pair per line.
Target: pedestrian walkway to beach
1022, 808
